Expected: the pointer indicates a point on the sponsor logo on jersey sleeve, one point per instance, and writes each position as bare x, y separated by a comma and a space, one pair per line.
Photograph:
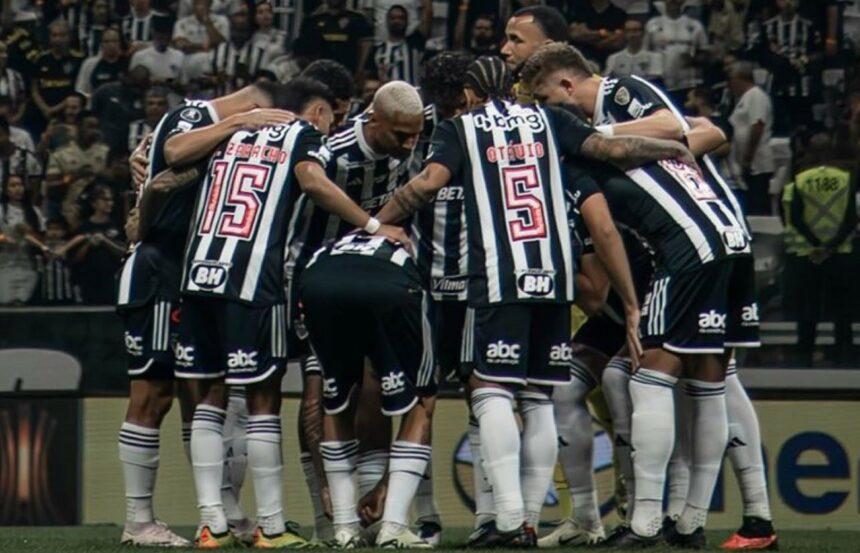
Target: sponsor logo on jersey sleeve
622, 96
192, 115
637, 109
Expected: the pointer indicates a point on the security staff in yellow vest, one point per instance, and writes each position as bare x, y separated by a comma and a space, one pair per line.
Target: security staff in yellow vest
820, 222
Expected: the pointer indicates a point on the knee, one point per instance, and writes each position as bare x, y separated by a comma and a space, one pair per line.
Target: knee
149, 407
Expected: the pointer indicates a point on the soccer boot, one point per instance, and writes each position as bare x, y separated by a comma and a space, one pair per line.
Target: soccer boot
625, 538
430, 530
154, 534
243, 530
668, 527
696, 540
755, 534
207, 539
347, 537
395, 536
479, 534
570, 533
523, 537
288, 539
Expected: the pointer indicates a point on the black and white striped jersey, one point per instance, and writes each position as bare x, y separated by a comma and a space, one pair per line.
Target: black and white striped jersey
507, 158
155, 265
398, 61
377, 247
367, 177
702, 203
12, 86
137, 130
137, 29
241, 66
237, 241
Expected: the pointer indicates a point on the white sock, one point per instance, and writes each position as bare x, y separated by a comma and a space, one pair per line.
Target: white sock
322, 525
234, 448
615, 384
138, 452
264, 459
339, 460
236, 464
745, 447
710, 433
484, 506
425, 504
653, 437
539, 451
407, 467
576, 444
186, 440
500, 446
369, 469
679, 464
207, 460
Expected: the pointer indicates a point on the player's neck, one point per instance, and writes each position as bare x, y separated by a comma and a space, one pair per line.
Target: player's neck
585, 94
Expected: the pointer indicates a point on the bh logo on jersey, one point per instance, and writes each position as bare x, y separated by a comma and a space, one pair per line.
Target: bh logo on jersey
208, 276
749, 315
536, 283
503, 353
712, 322
561, 355
183, 355
242, 361
329, 388
735, 240
393, 383
133, 344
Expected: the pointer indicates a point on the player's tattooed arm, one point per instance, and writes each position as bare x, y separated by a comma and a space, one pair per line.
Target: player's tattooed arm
419, 191
628, 152
155, 195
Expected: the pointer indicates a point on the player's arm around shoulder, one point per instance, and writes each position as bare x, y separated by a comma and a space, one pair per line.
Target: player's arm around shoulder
628, 152
410, 197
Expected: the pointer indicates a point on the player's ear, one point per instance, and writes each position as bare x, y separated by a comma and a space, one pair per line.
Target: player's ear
567, 85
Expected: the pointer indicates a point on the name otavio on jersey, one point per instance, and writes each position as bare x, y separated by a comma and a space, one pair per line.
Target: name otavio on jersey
209, 275
536, 283
487, 122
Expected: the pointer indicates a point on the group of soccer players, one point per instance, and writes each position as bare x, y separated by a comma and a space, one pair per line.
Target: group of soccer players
442, 232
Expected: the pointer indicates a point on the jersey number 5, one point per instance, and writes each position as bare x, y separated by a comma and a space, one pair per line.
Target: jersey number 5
526, 219
245, 180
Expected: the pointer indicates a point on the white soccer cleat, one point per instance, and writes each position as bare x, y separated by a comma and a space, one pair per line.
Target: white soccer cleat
570, 533
391, 537
151, 534
243, 530
348, 537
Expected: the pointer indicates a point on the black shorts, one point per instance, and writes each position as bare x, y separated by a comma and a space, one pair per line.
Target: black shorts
359, 307
602, 333
520, 343
702, 311
448, 319
297, 335
221, 338
150, 333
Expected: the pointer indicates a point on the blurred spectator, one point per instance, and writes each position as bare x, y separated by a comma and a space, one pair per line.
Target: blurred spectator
98, 19
684, 45
268, 36
98, 257
288, 15
752, 122
820, 220
103, 68
634, 59
73, 12
23, 48
12, 86
55, 277
154, 108
399, 56
20, 228
725, 28
851, 26
201, 30
163, 62
336, 33
237, 61
55, 73
217, 7
15, 160
485, 40
597, 28
117, 176
377, 14
119, 103
137, 26
18, 135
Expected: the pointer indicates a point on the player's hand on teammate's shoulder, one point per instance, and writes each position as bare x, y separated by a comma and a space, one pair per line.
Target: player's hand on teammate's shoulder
138, 161
264, 117
395, 234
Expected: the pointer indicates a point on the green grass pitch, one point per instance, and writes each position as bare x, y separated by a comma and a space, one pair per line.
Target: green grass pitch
103, 539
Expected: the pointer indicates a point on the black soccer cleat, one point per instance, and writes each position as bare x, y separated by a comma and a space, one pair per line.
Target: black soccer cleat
523, 537
624, 537
668, 527
696, 540
479, 537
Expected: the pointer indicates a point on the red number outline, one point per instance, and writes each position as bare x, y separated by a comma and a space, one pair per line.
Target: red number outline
518, 182
245, 180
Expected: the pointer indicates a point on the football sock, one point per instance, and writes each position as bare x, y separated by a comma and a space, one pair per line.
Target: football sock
679, 464
653, 437
339, 460
615, 384
744, 449
484, 506
500, 448
207, 460
234, 449
709, 436
576, 443
369, 469
186, 440
539, 451
264, 459
425, 504
138, 452
408, 464
322, 525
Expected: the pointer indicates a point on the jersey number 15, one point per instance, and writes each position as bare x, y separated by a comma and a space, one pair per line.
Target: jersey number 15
243, 183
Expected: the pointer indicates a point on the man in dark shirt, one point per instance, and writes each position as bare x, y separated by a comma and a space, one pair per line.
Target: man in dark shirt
336, 33
597, 28
55, 72
104, 68
119, 103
